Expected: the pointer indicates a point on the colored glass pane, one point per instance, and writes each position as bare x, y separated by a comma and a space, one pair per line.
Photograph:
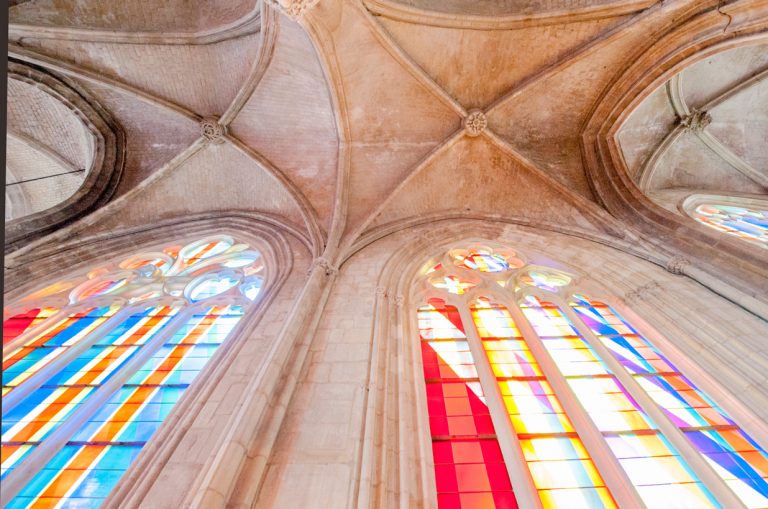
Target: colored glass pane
155, 262
241, 259
649, 461
469, 467
544, 279
452, 284
16, 325
67, 364
745, 223
25, 360
483, 261
104, 287
57, 287
251, 287
436, 267
40, 413
736, 458
202, 250
560, 466
211, 287
84, 472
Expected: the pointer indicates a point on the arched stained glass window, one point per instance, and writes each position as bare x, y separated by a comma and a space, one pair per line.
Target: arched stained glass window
745, 222
93, 366
566, 404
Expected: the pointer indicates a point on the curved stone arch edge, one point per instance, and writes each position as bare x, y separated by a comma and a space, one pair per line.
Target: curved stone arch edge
688, 203
608, 173
45, 261
636, 246
102, 178
394, 327
411, 14
278, 255
248, 24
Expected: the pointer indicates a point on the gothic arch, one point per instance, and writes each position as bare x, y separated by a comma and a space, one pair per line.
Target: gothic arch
106, 157
396, 452
710, 32
277, 253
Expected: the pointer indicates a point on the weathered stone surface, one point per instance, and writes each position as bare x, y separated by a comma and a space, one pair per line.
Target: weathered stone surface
367, 137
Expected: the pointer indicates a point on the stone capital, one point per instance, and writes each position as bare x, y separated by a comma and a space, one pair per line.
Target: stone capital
294, 9
677, 264
695, 121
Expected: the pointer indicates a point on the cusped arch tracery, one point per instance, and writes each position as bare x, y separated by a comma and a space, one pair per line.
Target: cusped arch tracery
539, 392
130, 330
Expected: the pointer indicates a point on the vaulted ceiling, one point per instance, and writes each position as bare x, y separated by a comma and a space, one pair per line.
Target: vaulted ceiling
346, 119
724, 98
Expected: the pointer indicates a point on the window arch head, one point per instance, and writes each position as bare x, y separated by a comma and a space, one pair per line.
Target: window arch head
94, 363
540, 395
745, 218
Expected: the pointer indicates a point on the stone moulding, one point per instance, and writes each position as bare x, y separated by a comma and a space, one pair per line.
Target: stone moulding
246, 25
501, 21
107, 163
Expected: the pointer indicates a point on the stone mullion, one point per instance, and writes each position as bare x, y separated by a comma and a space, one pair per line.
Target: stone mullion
743, 412
671, 432
616, 479
523, 486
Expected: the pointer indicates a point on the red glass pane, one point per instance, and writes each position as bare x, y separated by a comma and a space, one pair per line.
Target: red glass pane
469, 467
17, 325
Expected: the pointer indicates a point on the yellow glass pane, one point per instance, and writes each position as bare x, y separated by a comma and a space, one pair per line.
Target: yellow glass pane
536, 404
564, 474
579, 498
519, 387
553, 448
541, 423
515, 370
638, 446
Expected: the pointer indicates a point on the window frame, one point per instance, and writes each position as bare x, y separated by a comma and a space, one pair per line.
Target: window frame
422, 290
277, 265
688, 204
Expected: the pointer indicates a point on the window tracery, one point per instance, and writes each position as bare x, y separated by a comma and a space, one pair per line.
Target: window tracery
94, 364
744, 217
583, 410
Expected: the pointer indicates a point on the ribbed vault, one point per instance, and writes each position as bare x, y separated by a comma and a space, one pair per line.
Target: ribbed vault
347, 119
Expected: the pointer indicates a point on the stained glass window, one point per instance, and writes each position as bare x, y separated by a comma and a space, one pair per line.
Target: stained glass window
671, 444
114, 364
16, 325
469, 468
562, 470
745, 223
736, 458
